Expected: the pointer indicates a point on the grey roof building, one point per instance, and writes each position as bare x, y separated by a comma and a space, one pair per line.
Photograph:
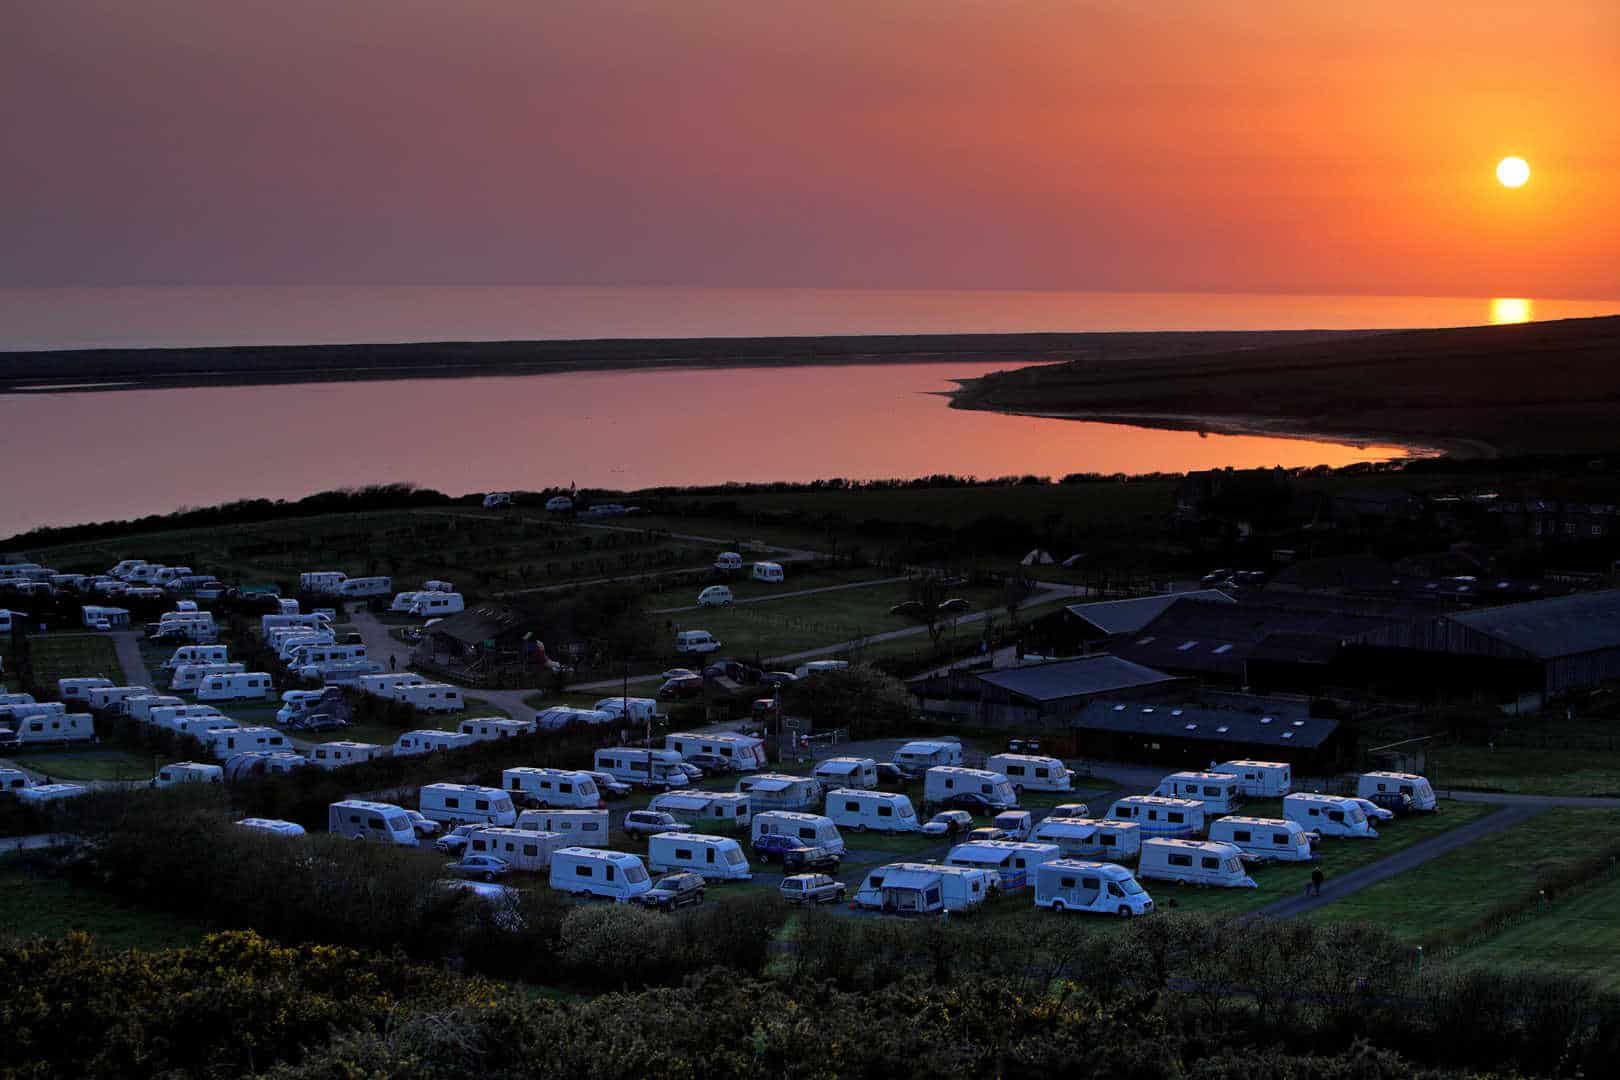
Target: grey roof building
1193, 735
1038, 695
1076, 629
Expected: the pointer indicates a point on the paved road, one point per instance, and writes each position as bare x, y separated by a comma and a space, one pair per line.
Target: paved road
127, 645
788, 595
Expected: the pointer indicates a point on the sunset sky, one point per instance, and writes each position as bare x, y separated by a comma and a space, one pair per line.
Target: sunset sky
1115, 144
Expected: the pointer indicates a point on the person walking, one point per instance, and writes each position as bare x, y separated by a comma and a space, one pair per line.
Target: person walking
1316, 880
393, 661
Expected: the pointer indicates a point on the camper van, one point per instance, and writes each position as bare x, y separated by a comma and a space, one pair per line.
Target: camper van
585, 828
744, 752
695, 641
1072, 885
924, 889
1217, 791
552, 787
715, 857
847, 772
188, 772
246, 686
916, 758
777, 791
767, 571
645, 768
431, 697
942, 783
526, 850
139, 706
225, 743
616, 875
466, 804
639, 709
299, 703
1010, 860
560, 716
713, 810
1032, 773
437, 604
1397, 791
490, 728
38, 729
1194, 862
1160, 816
365, 586
1264, 839
880, 810
1259, 779
728, 560
1328, 815
110, 699
197, 654
427, 740
1091, 838
77, 691
321, 581
335, 755
191, 676
807, 830
716, 596
361, 820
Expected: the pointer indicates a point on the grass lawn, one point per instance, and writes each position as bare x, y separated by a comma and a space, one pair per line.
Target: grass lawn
1530, 771
93, 765
34, 906
744, 587
1464, 885
65, 656
1577, 936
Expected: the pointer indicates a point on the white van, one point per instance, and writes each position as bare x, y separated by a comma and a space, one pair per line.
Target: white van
728, 560
1010, 860
1072, 885
1328, 815
246, 686
715, 857
585, 828
1397, 791
437, 604
110, 699
1217, 791
776, 791
1030, 772
466, 804
916, 758
198, 654
884, 811
77, 691
945, 782
616, 875
365, 586
1091, 838
695, 641
188, 772
359, 819
716, 596
1260, 779
490, 728
924, 888
709, 809
847, 772
639, 709
767, 571
431, 697
1160, 816
40, 729
335, 755
1266, 839
644, 768
809, 830
525, 850
744, 753
1193, 862
427, 740
191, 676
321, 581
226, 743
564, 788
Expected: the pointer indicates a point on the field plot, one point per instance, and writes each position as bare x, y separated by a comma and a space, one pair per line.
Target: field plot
94, 765
36, 906
63, 656
1580, 770
797, 577
1576, 936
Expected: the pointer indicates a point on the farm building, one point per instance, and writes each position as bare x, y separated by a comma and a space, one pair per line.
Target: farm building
1080, 629
1038, 696
482, 642
1192, 735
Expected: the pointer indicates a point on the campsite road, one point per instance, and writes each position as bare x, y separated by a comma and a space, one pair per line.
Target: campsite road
127, 643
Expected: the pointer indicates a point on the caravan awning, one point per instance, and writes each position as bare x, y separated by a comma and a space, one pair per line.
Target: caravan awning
911, 880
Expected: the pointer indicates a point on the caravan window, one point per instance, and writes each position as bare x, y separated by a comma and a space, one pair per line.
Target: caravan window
1040, 771
708, 855
1280, 838
1114, 890
582, 871
1018, 770
739, 811
1210, 863
564, 789
1107, 840
531, 850
480, 804
452, 803
480, 844
1335, 815
1240, 836
683, 853
608, 871
931, 896
1090, 882
1177, 817
635, 875
1066, 883
1179, 860
885, 810
590, 826
719, 811
950, 782
807, 833
1211, 789
374, 823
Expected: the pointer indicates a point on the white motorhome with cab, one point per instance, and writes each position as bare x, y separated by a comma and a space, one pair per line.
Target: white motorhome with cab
1072, 885
716, 596
359, 819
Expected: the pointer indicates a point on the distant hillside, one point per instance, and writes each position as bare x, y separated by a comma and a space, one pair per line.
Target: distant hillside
1521, 388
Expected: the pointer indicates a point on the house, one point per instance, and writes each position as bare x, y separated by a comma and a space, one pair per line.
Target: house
1038, 695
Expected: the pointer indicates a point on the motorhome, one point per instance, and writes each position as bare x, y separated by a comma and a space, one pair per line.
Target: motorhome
1397, 791
695, 641
906, 888
359, 819
401, 604
296, 704
430, 605
715, 857
847, 772
1029, 772
321, 581
745, 753
768, 571
191, 676
365, 586
198, 654
819, 667
1160, 816
943, 783
42, 730
1217, 791
586, 828
76, 691
188, 772
1265, 839
1260, 779
340, 672
860, 810
645, 768
526, 850
616, 875
809, 830
1193, 862
110, 699
728, 561
490, 728
307, 654
563, 788
640, 710
560, 716
1072, 885
712, 810
1091, 838
43, 793
225, 743
139, 706
242, 686
777, 791
716, 596
916, 758
466, 804
1328, 815
312, 621
105, 618
431, 697
336, 754
427, 740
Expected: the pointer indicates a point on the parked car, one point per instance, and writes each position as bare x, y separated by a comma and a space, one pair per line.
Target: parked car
812, 889
608, 786
1373, 811
735, 670
424, 826
685, 686
454, 842
648, 822
972, 802
889, 773
317, 722
953, 605
679, 673
709, 763
797, 860
987, 832
693, 773
484, 867
672, 891
947, 823
907, 607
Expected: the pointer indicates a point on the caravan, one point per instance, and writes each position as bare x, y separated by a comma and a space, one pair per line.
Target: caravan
431, 697
168, 717
1264, 839
197, 654
714, 857
1217, 791
42, 793
427, 740
248, 686
340, 672
728, 810
309, 654
1194, 862
1032, 773
560, 716
1160, 816
436, 604
110, 699
616, 875
1091, 838
362, 820
526, 850
188, 772
105, 618
335, 755
190, 676
1397, 791
640, 710
490, 728
1259, 779
466, 804
915, 758
365, 586
1071, 885
847, 772
644, 768
881, 810
805, 830
226, 743
744, 753
585, 828
552, 787
1328, 815
924, 889
768, 572
321, 581
313, 621
946, 785
1010, 860
139, 706
77, 691
776, 791
39, 729
401, 604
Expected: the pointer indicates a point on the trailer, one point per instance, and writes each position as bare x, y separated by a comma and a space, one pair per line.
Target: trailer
860, 810
1073, 885
466, 804
1260, 779
43, 793
744, 753
197, 654
308, 654
191, 676
1328, 815
1091, 838
427, 740
429, 605
943, 783
560, 716
1160, 816
169, 716
807, 830
1264, 839
905, 888
563, 788
110, 699
336, 754
321, 581
188, 772
614, 875
1219, 792
584, 828
491, 728
526, 850
139, 706
312, 621
644, 768
46, 730
402, 601
729, 810
1010, 860
1194, 862
365, 586
431, 697
770, 572
226, 743
715, 857
244, 686
359, 819
1397, 791
76, 691
847, 772
341, 672
778, 791
97, 617
917, 757
639, 710
1031, 772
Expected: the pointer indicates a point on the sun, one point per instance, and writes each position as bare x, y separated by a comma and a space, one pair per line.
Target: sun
1513, 171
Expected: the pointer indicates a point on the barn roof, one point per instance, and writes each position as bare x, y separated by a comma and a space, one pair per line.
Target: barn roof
1129, 616
1559, 626
1074, 678
486, 622
1260, 729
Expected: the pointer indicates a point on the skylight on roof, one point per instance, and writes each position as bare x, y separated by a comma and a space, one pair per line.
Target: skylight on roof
1299, 723
1150, 639
1223, 729
1119, 708
1219, 649
1185, 645
1191, 727
1147, 708
1288, 734
1175, 712
1265, 719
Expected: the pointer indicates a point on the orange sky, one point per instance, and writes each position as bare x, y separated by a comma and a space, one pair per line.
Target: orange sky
1117, 144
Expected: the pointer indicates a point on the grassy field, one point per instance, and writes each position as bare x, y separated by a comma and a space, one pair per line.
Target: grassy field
1575, 936
1466, 884
744, 587
62, 656
93, 765
1584, 771
34, 906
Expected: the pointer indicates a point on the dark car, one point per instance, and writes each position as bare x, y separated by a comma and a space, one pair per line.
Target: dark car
907, 607
798, 860
317, 722
953, 605
735, 670
486, 867
672, 891
648, 822
710, 763
889, 773
8, 739
687, 686
972, 802
772, 847
454, 842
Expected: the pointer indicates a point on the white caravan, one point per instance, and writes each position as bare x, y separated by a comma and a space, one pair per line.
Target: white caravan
433, 586
226, 743
321, 581
1410, 791
77, 691
708, 809
1217, 791
188, 772
1194, 862
924, 888
644, 768
562, 788
387, 685
1160, 816
335, 755
169, 716
1265, 839
638, 709
41, 793
105, 618
847, 772
125, 568
819, 667
191, 676
916, 758
60, 728
1091, 838
32, 708
111, 699
527, 851
1328, 815
245, 686
16, 697
198, 625
361, 820
491, 728
497, 500
313, 621
715, 857
308, 654
616, 875
427, 740
884, 811
431, 697
809, 830
776, 791
1029, 772
197, 725
1072, 885
466, 804
728, 560
1260, 779
945, 782
1010, 860
365, 586
198, 654
431, 605
401, 604
560, 716
768, 571
340, 672
585, 828
139, 706
695, 641
744, 752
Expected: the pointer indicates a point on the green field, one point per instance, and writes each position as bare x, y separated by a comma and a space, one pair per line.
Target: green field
36, 906
1531, 771
94, 765
1578, 935
65, 656
798, 576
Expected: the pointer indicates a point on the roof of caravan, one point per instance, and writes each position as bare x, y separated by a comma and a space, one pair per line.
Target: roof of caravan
886, 796
367, 804
1317, 796
1073, 678
846, 762
1194, 774
1159, 800
507, 830
791, 815
1245, 762
600, 854
1007, 846
712, 736
1197, 845
701, 839
347, 745
773, 782
468, 788
1264, 822
698, 796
